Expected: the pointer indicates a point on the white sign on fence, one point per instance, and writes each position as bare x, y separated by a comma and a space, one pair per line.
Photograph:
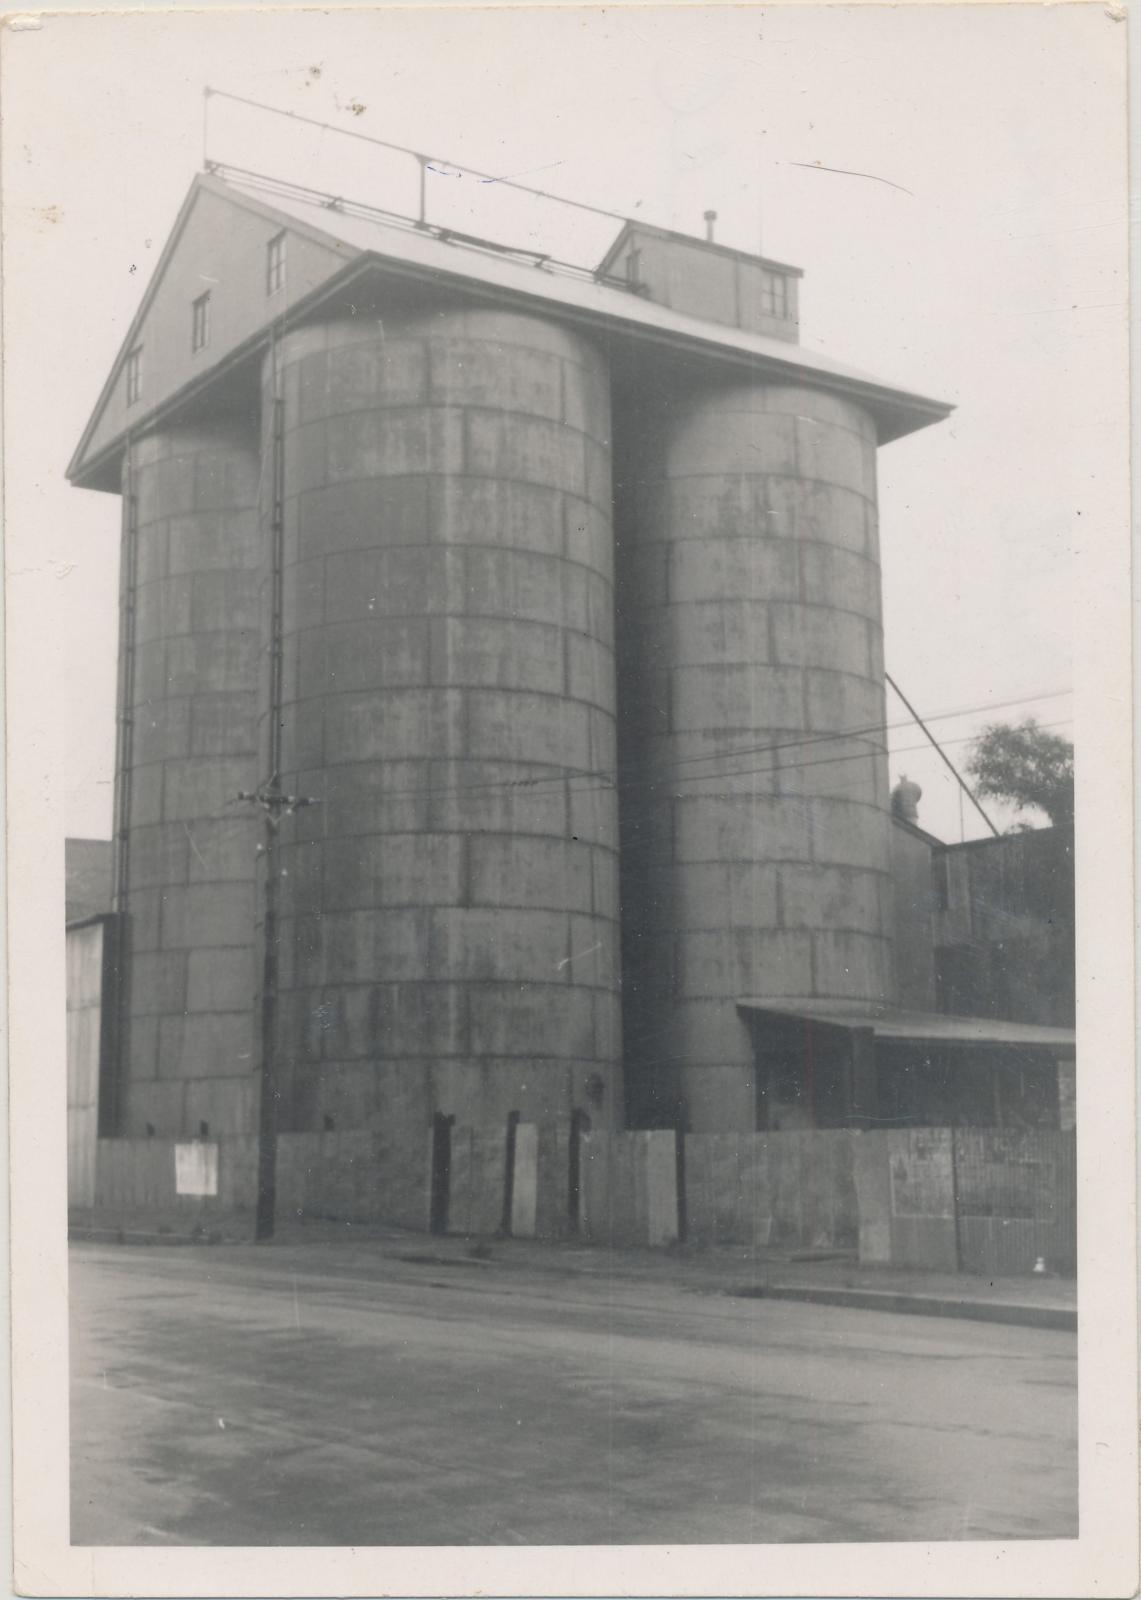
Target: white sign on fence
196, 1168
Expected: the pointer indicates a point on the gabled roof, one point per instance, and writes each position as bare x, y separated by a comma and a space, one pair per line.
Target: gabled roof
336, 244
632, 228
197, 254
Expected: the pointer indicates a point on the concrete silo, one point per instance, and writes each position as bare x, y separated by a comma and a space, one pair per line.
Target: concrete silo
372, 547
755, 825
188, 744
449, 906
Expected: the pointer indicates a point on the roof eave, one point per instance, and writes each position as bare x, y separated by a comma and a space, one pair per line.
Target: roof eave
180, 221
897, 1025
896, 412
82, 473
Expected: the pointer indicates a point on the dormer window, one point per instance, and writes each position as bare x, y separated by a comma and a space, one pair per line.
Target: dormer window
200, 322
275, 264
774, 295
134, 374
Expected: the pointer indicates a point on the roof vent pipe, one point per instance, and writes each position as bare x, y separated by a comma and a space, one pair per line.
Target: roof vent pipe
710, 219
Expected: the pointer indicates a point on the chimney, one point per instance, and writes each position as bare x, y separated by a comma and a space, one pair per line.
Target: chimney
905, 798
710, 219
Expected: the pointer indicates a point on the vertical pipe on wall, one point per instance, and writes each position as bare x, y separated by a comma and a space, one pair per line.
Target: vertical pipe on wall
110, 1089
269, 1087
423, 218
953, 1139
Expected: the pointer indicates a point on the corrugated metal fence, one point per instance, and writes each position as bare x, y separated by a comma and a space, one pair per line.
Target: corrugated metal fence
777, 1190
85, 962
1016, 1200
936, 1199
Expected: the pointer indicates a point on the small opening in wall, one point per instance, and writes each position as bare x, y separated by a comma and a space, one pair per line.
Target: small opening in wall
275, 264
774, 294
200, 322
150, 1130
134, 374
941, 883
441, 1178
203, 1130
330, 1125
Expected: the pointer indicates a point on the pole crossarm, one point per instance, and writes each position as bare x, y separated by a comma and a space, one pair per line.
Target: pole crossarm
274, 802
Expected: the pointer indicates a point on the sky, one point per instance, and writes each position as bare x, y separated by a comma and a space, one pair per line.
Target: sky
951, 180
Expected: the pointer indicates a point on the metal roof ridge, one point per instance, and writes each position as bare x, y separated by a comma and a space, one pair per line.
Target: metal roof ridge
499, 271
414, 251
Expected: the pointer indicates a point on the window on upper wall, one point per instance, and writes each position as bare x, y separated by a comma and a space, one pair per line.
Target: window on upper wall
941, 882
275, 264
774, 295
134, 374
200, 322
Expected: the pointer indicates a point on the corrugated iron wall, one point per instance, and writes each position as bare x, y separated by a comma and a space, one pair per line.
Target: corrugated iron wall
927, 1199
85, 967
1016, 1200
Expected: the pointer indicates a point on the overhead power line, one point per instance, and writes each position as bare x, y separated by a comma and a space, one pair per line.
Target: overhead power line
599, 782
959, 779
864, 731
615, 780
770, 748
422, 157
826, 761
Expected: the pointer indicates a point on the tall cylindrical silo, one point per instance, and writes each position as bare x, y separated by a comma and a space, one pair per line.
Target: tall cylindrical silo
755, 828
189, 692
449, 905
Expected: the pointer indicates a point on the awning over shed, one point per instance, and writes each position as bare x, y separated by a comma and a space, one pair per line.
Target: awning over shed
919, 1027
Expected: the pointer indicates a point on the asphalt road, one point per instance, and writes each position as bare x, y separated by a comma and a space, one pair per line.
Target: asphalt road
277, 1397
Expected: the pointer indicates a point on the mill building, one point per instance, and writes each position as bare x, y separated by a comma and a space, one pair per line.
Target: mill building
501, 723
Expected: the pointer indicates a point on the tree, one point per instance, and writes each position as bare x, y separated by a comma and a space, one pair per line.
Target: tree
1027, 768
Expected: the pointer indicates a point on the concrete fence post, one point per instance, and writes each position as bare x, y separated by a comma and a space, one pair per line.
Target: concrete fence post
525, 1191
659, 1155
873, 1197
594, 1191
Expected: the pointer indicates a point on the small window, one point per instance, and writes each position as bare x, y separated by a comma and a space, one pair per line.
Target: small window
774, 295
200, 322
275, 264
134, 374
941, 882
